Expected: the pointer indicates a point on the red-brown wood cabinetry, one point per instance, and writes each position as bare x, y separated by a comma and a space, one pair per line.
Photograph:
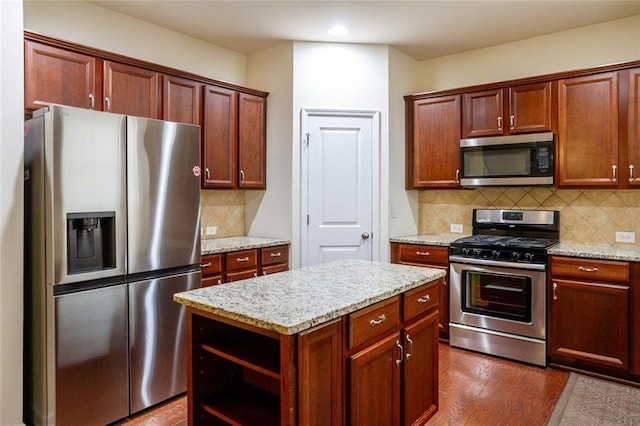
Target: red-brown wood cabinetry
237, 265
181, 100
631, 173
131, 90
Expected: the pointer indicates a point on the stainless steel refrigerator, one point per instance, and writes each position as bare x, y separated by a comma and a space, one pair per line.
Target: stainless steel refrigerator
112, 220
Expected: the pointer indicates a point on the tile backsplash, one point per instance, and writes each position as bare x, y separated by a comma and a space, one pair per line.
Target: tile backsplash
224, 209
586, 215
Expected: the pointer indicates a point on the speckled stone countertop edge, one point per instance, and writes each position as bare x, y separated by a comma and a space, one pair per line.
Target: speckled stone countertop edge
216, 300
630, 253
231, 244
431, 239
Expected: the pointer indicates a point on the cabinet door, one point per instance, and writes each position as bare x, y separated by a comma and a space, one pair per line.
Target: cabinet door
421, 370
181, 100
320, 375
482, 114
60, 76
588, 131
529, 108
633, 167
131, 90
219, 138
590, 322
433, 148
252, 147
375, 383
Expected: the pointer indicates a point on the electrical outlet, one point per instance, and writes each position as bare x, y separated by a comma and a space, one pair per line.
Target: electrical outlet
625, 237
211, 230
456, 228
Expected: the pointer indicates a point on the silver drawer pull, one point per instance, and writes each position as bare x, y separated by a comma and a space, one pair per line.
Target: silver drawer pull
583, 269
242, 259
205, 265
278, 254
424, 299
422, 253
399, 360
380, 320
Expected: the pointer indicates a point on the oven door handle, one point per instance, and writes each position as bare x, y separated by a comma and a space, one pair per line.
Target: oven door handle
530, 266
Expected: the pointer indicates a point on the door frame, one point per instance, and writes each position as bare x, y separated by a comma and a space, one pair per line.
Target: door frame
306, 114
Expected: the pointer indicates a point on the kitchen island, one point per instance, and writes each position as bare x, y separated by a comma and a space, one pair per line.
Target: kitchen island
348, 342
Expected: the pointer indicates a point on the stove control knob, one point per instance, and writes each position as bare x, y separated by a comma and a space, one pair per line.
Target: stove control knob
528, 257
515, 256
476, 252
495, 254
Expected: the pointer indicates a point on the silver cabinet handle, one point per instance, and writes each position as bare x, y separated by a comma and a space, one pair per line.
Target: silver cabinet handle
631, 177
219, 282
365, 235
614, 172
500, 124
242, 175
424, 299
410, 348
399, 360
278, 254
583, 269
458, 176
108, 101
92, 101
380, 320
555, 286
422, 253
512, 121
205, 265
206, 172
242, 259
255, 275
264, 273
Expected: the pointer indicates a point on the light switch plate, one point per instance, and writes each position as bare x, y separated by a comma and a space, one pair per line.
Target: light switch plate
211, 230
456, 228
625, 237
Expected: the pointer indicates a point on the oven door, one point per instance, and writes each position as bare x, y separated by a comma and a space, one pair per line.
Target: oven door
499, 296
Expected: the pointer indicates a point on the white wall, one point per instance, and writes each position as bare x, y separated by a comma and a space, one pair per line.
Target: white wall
95, 26
339, 76
585, 47
11, 211
268, 213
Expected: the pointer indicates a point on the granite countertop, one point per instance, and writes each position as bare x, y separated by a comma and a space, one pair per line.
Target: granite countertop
292, 301
431, 239
228, 244
626, 252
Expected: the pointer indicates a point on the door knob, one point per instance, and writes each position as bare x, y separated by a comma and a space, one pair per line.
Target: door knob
365, 235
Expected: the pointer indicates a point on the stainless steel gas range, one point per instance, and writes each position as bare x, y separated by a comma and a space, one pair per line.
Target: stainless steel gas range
498, 284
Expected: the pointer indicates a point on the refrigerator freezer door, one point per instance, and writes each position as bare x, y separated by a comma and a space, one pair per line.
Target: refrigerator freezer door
157, 339
91, 383
163, 179
84, 161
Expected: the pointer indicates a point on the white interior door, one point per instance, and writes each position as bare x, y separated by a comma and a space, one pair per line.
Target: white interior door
340, 213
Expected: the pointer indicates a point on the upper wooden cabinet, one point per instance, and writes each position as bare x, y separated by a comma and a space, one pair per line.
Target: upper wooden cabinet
234, 139
60, 76
631, 173
588, 131
181, 100
433, 142
503, 111
131, 90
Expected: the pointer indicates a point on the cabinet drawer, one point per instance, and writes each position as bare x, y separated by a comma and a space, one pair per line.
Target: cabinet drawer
414, 253
211, 264
374, 320
241, 275
242, 260
421, 299
590, 269
273, 269
273, 255
211, 280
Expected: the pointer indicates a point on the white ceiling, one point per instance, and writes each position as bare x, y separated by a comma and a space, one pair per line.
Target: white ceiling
421, 29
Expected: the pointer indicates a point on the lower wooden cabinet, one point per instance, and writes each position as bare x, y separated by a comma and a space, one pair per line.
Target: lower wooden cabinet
589, 313
432, 257
222, 268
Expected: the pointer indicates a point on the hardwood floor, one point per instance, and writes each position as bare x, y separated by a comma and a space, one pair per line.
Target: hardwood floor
475, 390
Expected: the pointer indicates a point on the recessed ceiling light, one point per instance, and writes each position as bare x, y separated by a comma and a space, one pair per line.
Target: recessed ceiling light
338, 30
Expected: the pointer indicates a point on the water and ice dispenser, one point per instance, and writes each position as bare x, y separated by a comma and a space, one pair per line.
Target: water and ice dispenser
91, 241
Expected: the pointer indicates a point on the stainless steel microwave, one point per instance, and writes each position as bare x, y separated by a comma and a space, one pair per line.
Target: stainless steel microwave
516, 160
